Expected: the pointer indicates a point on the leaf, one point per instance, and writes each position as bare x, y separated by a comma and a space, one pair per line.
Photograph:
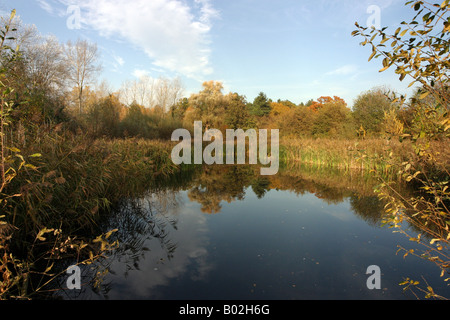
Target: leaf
434, 240
424, 95
42, 232
49, 268
36, 155
108, 234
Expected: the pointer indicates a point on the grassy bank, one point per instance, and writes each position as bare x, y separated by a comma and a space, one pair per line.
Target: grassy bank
60, 188
371, 154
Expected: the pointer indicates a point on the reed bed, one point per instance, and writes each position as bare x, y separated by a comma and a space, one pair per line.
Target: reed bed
54, 206
367, 155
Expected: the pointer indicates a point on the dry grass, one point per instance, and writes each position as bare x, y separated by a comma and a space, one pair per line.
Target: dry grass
370, 154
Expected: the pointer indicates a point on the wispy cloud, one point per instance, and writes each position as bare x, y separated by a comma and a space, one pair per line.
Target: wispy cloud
172, 33
119, 60
139, 73
53, 7
46, 6
346, 70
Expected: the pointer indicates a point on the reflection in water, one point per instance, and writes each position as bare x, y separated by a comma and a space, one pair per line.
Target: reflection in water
228, 232
229, 183
140, 265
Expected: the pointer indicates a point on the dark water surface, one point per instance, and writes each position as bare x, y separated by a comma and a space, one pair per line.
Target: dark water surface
228, 233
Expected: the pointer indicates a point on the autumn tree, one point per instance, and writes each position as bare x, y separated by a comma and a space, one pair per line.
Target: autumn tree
178, 110
316, 105
332, 119
369, 109
280, 113
287, 103
299, 122
237, 115
207, 106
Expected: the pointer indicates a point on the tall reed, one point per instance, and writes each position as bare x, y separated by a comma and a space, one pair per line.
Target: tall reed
367, 155
65, 185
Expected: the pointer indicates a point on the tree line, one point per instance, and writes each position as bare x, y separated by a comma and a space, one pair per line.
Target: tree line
54, 84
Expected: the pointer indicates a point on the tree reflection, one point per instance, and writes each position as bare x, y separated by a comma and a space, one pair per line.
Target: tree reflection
218, 184
153, 218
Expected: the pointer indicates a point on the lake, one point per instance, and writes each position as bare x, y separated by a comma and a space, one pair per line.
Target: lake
225, 232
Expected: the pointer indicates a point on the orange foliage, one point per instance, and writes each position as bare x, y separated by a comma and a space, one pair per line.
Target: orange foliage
279, 109
316, 105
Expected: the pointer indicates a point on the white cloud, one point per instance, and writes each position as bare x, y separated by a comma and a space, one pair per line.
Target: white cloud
139, 73
46, 6
172, 33
119, 60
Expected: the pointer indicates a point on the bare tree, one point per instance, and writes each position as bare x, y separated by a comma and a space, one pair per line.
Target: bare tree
82, 59
46, 65
141, 91
168, 92
151, 93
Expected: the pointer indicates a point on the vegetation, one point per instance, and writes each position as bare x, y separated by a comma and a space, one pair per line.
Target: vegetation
59, 175
420, 51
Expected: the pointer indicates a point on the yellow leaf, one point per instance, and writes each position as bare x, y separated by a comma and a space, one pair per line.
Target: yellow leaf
424, 95
36, 155
49, 268
433, 241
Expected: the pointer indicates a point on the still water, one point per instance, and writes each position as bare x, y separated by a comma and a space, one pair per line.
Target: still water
227, 233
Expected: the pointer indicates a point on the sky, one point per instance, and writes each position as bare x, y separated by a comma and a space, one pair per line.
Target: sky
289, 49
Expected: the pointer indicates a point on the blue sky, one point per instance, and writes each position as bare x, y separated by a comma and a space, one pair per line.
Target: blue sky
288, 49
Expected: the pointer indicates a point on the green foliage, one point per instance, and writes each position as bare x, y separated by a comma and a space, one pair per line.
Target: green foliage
237, 115
300, 122
261, 105
332, 120
178, 110
369, 109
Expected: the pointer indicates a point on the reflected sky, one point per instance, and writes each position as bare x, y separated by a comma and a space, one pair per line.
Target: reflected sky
288, 242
